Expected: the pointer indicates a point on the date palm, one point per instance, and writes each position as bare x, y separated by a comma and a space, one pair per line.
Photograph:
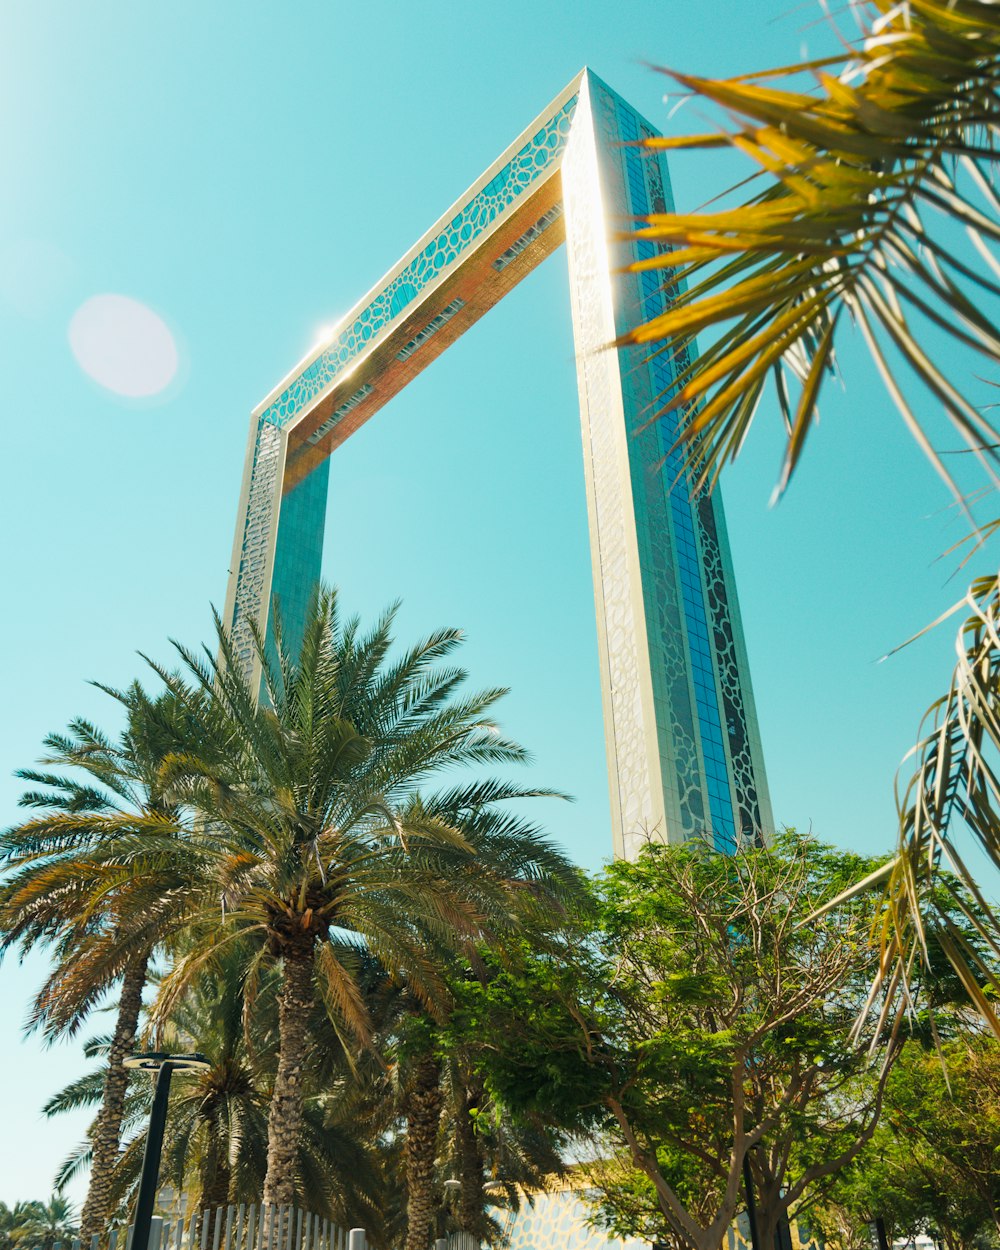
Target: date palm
875, 202
456, 1142
78, 882
428, 1062
46, 1223
215, 1148
495, 1157
319, 842
14, 1221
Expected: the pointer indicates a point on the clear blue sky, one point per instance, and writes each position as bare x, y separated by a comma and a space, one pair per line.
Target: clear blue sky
247, 171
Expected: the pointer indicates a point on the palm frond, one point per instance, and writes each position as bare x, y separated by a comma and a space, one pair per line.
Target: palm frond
954, 784
857, 183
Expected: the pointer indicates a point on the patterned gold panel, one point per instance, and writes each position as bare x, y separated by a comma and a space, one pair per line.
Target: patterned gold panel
559, 1222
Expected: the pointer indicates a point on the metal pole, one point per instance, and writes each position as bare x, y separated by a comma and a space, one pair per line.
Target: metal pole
883, 1240
151, 1159
751, 1203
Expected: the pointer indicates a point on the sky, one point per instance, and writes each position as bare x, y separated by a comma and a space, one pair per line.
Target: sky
227, 179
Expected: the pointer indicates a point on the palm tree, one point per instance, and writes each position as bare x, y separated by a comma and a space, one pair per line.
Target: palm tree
493, 1158
433, 1076
321, 845
14, 1220
215, 1147
45, 1223
78, 881
421, 1099
459, 1150
875, 201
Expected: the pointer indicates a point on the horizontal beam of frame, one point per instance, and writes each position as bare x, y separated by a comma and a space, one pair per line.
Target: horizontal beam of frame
505, 225
524, 237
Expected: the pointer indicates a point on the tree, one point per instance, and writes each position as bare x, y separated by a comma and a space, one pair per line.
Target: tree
215, 1145
42, 1224
490, 1156
932, 1162
316, 837
79, 881
457, 1138
447, 1153
874, 200
435, 1079
699, 1024
14, 1220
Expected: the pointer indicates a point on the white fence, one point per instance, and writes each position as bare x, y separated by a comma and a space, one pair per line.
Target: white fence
238, 1228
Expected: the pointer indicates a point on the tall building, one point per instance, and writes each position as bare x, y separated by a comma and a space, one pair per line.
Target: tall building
683, 747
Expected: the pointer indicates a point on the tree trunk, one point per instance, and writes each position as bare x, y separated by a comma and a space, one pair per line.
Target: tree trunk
106, 1133
770, 1210
423, 1116
215, 1184
215, 1171
284, 1117
472, 1196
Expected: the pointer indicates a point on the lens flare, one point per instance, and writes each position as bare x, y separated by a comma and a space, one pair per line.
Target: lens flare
123, 345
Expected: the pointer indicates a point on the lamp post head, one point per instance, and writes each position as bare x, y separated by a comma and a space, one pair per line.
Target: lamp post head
161, 1066
154, 1060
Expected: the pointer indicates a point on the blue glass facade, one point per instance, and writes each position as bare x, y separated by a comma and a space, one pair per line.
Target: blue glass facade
687, 556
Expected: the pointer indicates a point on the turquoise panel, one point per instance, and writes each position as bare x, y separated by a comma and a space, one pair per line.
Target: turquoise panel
299, 552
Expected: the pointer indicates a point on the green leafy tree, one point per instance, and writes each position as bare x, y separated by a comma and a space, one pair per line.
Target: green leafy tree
450, 1156
464, 1153
932, 1164
699, 1024
490, 1157
873, 200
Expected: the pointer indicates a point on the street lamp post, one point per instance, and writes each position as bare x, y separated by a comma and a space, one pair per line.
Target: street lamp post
164, 1066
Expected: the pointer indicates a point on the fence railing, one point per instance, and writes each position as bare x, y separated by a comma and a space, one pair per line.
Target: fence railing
457, 1241
251, 1228
236, 1228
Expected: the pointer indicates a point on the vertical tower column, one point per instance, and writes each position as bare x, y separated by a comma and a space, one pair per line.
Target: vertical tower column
684, 754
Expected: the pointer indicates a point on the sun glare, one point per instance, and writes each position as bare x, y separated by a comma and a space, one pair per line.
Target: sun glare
123, 345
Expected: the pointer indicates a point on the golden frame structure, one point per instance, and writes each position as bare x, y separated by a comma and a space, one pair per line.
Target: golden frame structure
683, 747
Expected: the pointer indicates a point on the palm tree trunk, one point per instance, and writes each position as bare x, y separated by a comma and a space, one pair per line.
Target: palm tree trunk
472, 1196
215, 1171
106, 1133
423, 1116
284, 1117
